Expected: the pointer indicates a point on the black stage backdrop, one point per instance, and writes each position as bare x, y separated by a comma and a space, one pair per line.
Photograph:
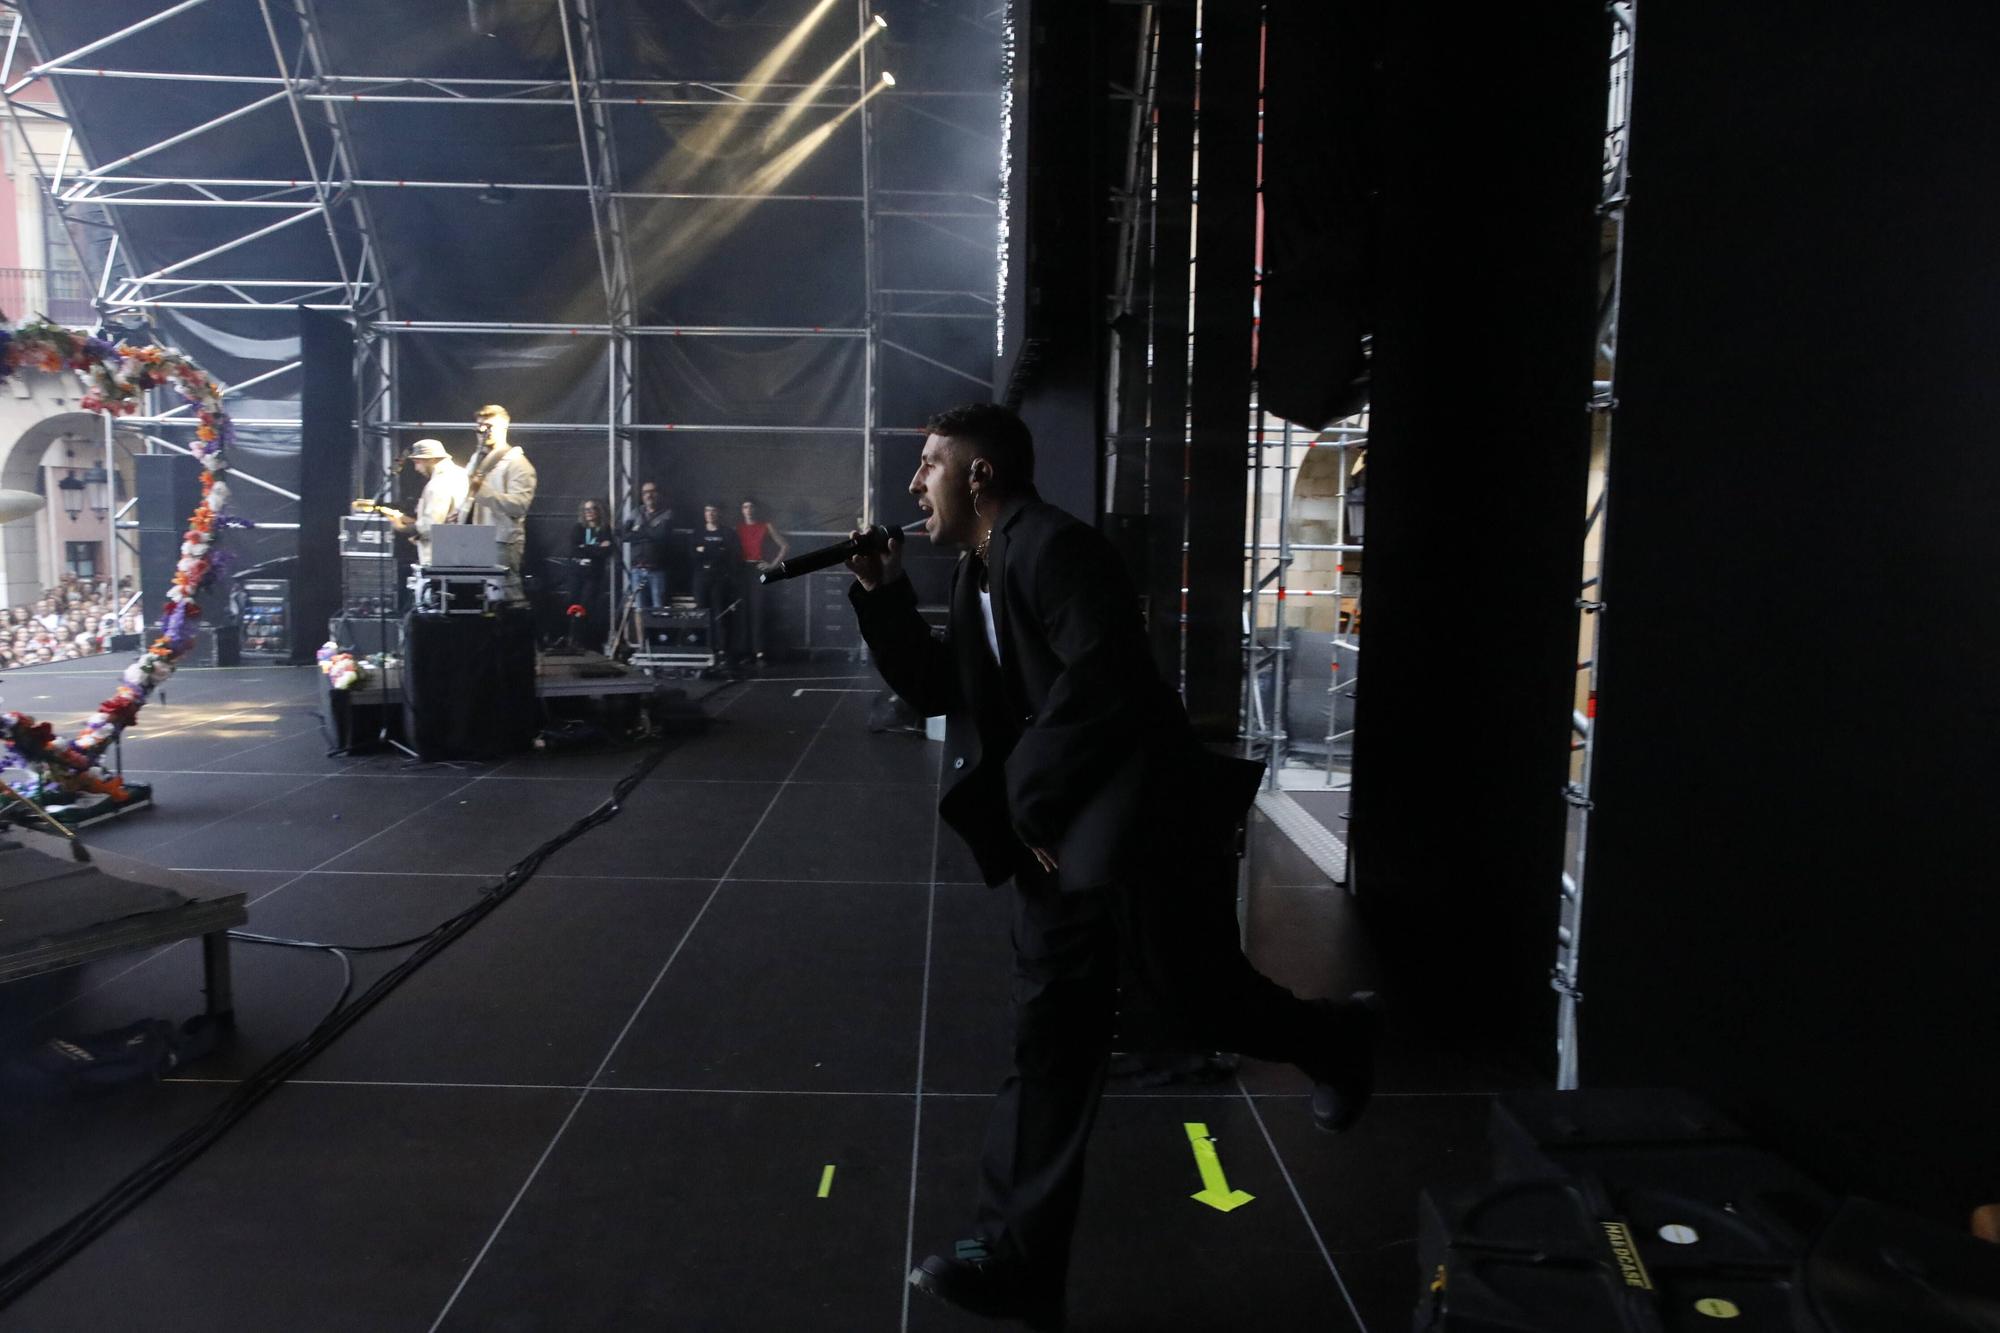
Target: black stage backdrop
328, 454
1790, 888
1477, 469
1322, 181
1225, 247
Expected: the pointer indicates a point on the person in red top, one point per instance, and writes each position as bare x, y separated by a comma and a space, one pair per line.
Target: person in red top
763, 546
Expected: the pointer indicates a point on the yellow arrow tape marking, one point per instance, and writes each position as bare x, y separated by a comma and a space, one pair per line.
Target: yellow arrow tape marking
1215, 1191
826, 1181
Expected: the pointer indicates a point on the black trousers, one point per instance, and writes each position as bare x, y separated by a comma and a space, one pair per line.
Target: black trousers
714, 590
751, 639
1173, 926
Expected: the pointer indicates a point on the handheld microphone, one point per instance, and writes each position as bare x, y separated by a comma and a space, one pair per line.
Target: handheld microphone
874, 540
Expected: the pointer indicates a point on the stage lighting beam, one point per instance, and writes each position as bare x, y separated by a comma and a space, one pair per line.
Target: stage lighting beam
811, 92
687, 244
702, 142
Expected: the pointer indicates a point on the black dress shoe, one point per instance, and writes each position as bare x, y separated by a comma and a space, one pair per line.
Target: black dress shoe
1343, 1074
982, 1283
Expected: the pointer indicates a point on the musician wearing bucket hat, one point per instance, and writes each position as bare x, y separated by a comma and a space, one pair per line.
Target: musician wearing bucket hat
444, 492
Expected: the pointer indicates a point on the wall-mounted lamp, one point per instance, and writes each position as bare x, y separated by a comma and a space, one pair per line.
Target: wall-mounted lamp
97, 492
72, 489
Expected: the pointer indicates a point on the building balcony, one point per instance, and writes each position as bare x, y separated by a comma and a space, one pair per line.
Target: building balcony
61, 294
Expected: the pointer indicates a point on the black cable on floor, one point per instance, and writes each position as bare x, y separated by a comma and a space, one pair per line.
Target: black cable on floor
36, 1261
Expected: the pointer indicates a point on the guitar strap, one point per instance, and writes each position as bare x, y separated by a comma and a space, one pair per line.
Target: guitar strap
486, 465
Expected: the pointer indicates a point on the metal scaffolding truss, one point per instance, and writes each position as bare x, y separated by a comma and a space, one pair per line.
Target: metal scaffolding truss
328, 193
332, 194
87, 196
1566, 976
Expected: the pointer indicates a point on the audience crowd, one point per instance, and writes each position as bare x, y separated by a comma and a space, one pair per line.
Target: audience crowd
76, 619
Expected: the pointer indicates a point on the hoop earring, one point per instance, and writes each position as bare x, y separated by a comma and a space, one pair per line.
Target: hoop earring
980, 548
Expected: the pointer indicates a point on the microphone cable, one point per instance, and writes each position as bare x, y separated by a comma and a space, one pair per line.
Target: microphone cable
37, 1260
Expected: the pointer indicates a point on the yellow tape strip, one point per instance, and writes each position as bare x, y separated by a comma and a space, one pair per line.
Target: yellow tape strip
1215, 1191
826, 1181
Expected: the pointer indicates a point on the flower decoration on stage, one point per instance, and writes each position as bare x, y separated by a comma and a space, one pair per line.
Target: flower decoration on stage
116, 378
342, 672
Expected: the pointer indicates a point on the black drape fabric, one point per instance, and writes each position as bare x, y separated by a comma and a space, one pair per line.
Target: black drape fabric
471, 684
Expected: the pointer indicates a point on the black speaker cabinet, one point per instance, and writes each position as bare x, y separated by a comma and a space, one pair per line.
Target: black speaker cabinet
215, 645
367, 636
169, 487
676, 629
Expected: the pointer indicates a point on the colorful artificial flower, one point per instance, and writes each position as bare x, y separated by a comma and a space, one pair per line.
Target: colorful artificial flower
115, 379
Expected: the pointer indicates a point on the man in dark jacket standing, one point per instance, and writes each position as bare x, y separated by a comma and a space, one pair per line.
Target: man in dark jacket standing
1071, 769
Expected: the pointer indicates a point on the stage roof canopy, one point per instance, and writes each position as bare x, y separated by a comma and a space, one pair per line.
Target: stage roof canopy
765, 230
587, 162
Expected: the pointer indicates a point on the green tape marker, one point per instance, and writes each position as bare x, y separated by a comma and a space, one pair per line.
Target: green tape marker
826, 1181
1215, 1191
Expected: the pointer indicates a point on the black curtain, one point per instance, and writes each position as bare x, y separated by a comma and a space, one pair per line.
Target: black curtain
327, 458
1493, 122
1789, 897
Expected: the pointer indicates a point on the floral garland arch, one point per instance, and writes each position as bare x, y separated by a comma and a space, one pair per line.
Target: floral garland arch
115, 377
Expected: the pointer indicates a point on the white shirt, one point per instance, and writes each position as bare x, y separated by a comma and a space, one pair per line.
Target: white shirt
992, 632
443, 493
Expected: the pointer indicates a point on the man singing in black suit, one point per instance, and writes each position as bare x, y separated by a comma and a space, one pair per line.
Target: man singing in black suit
1072, 770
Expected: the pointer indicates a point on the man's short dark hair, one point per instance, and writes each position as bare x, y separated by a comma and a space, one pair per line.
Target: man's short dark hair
996, 433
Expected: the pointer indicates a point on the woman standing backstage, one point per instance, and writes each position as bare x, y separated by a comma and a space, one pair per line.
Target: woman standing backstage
717, 556
590, 546
763, 546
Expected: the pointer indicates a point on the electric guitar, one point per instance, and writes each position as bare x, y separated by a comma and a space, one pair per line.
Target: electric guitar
376, 507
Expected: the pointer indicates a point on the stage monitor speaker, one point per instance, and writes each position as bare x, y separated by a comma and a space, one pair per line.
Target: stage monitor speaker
675, 629
366, 636
214, 645
1320, 221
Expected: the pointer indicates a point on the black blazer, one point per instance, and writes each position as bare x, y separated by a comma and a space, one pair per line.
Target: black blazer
1071, 742
596, 554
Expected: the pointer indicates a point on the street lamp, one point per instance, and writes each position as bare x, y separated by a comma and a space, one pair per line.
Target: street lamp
97, 492
72, 489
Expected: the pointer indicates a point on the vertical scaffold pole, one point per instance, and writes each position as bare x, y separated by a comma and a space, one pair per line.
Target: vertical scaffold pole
872, 322
1566, 976
1282, 650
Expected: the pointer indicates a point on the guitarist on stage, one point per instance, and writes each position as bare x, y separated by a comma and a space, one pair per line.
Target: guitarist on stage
444, 492
499, 487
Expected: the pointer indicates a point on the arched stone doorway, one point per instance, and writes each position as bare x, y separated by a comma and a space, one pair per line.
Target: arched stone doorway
30, 555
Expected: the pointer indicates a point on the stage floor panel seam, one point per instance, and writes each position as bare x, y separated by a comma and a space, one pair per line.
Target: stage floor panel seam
617, 1041
526, 1235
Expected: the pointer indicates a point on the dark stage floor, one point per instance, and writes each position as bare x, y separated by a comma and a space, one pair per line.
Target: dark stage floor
613, 1104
